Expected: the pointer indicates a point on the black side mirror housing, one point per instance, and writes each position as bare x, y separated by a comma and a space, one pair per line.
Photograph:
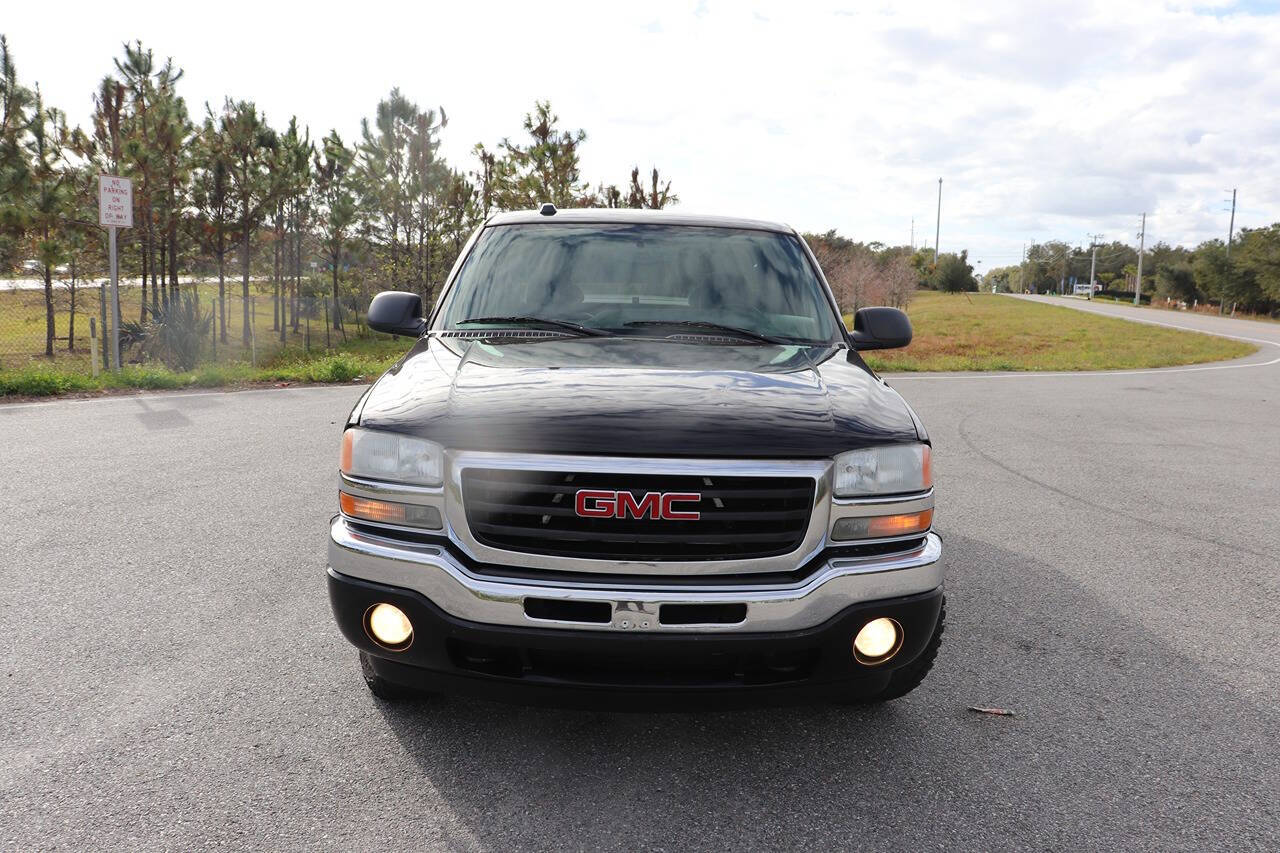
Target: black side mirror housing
880, 328
397, 313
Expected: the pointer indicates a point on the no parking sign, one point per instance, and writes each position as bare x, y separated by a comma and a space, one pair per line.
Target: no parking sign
115, 202
115, 210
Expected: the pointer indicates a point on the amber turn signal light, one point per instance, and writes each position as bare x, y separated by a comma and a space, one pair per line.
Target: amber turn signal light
387, 512
900, 525
882, 526
384, 511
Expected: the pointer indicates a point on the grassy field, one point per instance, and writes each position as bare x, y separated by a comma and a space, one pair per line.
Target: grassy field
22, 325
991, 332
967, 332
313, 353
359, 360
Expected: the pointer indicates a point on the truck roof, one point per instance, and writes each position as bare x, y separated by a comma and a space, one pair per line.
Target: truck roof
629, 215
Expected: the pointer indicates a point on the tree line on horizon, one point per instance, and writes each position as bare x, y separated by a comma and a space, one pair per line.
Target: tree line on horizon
1246, 274
225, 194
863, 274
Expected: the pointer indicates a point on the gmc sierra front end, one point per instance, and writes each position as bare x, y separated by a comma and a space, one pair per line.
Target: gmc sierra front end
635, 458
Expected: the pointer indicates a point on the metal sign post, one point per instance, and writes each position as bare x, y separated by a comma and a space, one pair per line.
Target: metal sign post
115, 210
115, 300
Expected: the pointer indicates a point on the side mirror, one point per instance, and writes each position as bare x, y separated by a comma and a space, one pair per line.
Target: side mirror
397, 313
880, 328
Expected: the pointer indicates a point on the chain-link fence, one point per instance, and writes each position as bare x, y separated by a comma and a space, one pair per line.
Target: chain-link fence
212, 329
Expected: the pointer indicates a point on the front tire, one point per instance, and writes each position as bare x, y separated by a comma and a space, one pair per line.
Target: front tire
387, 691
909, 677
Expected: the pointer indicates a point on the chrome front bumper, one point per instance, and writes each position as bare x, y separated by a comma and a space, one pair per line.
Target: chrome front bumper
434, 573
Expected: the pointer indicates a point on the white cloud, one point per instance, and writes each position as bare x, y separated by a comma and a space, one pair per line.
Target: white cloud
1045, 120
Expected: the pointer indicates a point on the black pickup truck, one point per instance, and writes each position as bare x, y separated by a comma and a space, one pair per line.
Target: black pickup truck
635, 457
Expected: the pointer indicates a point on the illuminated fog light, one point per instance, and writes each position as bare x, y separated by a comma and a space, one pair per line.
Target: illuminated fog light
878, 641
388, 626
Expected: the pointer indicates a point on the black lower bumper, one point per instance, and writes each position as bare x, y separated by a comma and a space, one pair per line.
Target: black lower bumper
592, 668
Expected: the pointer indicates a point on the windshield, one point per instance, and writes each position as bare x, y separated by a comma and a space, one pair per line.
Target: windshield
636, 279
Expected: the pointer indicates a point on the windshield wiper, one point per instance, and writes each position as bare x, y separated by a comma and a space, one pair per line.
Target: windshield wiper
719, 327
566, 325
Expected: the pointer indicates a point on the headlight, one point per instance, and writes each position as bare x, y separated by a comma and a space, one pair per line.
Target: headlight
894, 469
379, 455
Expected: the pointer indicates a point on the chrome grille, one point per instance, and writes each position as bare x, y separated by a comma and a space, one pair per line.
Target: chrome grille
740, 517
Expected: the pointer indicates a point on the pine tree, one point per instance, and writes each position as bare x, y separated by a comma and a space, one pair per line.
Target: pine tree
15, 165
544, 168
249, 144
335, 198
656, 197
389, 181
173, 133
139, 153
51, 199
211, 200
289, 176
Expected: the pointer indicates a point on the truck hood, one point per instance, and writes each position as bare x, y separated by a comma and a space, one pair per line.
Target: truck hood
627, 396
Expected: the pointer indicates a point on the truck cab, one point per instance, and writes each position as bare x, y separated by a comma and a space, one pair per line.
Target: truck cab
633, 458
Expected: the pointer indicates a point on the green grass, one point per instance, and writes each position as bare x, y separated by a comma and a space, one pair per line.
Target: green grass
365, 359
971, 332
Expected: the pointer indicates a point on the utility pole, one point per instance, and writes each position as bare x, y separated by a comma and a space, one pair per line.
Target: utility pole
1231, 229
1142, 243
937, 231
1021, 264
1093, 264
913, 233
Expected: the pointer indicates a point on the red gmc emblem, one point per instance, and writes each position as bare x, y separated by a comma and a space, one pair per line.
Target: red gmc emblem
598, 503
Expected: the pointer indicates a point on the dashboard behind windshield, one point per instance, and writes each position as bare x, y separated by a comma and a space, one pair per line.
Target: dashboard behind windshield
608, 276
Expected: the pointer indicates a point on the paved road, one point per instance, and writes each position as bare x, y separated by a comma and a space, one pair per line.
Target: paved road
1254, 330
172, 678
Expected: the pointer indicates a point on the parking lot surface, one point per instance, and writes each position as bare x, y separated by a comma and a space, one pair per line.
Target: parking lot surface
172, 677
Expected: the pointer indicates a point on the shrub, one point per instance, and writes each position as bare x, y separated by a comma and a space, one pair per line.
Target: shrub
148, 377
218, 375
175, 333
1176, 281
38, 382
334, 368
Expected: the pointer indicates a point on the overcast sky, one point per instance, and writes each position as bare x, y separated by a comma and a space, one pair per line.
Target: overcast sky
1046, 120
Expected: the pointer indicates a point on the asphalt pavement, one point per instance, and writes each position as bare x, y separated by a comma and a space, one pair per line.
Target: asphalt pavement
172, 678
